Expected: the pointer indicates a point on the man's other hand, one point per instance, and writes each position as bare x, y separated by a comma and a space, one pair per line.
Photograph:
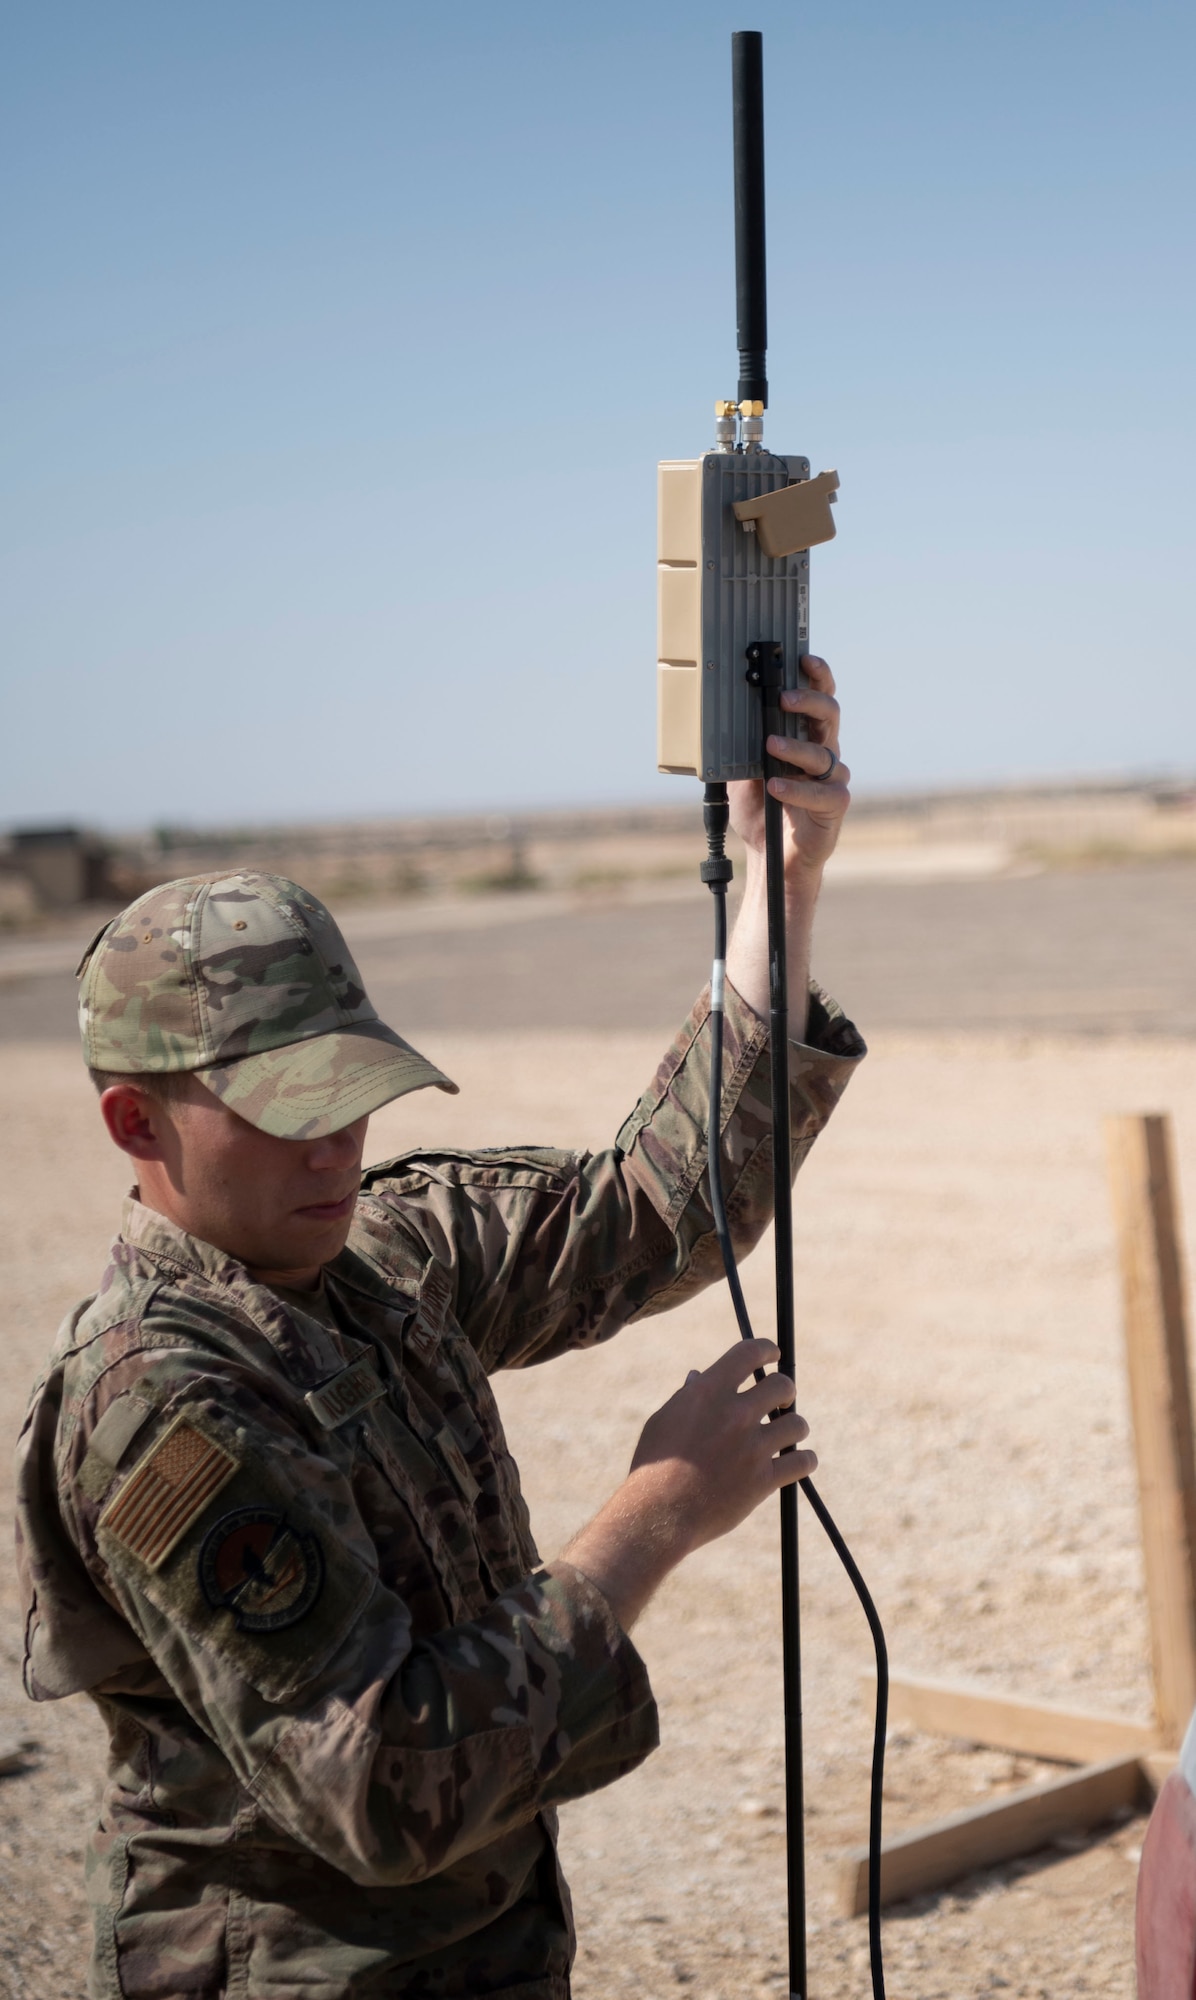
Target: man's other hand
703, 1462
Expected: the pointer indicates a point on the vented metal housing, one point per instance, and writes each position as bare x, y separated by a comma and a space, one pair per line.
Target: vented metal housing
717, 592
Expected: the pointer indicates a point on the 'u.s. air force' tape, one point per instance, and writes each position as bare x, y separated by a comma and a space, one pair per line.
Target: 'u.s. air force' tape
435, 1294
343, 1395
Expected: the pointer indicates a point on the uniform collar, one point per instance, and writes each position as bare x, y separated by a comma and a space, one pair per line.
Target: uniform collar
163, 1241
305, 1347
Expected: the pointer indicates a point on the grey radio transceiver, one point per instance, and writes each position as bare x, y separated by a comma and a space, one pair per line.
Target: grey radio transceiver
734, 533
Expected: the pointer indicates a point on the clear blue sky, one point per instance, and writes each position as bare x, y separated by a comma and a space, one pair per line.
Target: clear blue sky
340, 341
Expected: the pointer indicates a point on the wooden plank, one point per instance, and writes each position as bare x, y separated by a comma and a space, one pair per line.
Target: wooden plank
932, 1856
1004, 1722
1156, 1342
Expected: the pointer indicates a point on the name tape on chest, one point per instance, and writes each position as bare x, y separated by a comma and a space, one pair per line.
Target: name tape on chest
344, 1395
167, 1491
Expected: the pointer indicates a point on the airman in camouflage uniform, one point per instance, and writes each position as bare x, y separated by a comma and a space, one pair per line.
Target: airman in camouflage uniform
276, 1535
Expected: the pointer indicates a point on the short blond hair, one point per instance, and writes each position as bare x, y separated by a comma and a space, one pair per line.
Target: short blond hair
165, 1086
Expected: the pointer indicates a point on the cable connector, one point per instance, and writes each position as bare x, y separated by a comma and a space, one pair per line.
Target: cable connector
718, 868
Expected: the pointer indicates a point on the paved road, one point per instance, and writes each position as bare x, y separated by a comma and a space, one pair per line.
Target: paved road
1095, 951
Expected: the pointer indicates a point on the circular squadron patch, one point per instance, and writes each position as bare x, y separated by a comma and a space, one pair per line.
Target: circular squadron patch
254, 1564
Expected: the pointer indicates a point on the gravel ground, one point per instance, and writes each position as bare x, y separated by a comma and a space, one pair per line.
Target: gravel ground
961, 1367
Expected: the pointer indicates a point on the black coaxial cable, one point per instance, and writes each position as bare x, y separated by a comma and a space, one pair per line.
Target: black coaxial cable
716, 873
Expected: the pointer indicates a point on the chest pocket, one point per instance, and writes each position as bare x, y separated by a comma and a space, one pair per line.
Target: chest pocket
433, 1442
503, 1523
434, 1510
413, 1497
445, 1455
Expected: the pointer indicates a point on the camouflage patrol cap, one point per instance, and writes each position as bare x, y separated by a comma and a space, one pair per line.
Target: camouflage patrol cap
244, 980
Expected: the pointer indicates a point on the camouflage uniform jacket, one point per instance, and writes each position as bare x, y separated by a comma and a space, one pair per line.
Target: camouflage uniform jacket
287, 1556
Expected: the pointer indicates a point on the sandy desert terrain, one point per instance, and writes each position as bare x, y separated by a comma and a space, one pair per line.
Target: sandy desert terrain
960, 1363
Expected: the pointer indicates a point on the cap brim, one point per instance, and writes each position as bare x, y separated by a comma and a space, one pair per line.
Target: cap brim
313, 1087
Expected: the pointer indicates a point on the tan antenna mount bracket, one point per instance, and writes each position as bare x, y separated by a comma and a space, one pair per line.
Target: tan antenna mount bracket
794, 517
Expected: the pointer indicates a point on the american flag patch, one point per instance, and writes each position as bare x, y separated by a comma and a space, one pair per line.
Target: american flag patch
166, 1492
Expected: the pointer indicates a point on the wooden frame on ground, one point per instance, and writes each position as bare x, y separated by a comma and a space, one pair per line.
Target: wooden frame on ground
1122, 1763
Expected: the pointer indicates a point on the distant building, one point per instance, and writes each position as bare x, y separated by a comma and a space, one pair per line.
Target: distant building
62, 864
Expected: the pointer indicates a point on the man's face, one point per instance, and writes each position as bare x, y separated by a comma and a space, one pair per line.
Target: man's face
284, 1207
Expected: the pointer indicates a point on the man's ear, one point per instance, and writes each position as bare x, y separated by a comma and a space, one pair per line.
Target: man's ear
136, 1121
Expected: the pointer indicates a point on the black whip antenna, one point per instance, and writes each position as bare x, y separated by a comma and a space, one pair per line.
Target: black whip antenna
751, 302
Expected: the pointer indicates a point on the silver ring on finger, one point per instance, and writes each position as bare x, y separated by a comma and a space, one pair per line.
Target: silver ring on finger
820, 777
